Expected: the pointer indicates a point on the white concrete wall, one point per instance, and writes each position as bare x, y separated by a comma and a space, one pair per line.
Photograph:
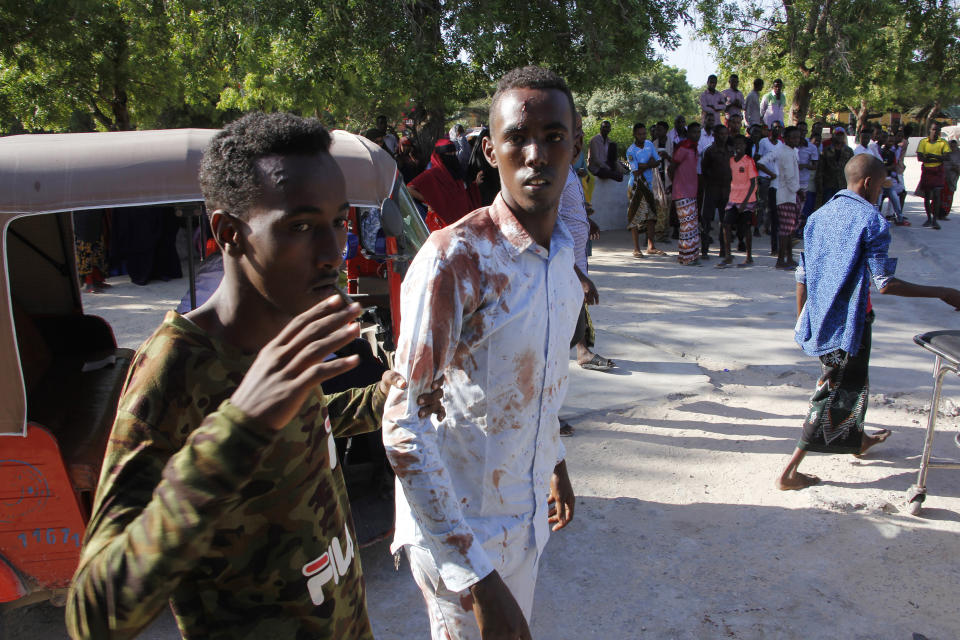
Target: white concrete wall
609, 203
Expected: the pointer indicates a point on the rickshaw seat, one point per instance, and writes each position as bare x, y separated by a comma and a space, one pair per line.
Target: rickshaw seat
76, 406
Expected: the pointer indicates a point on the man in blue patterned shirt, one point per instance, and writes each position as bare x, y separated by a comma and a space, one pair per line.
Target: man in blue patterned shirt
845, 246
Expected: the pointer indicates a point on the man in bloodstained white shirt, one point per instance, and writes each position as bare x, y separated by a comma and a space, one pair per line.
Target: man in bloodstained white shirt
492, 302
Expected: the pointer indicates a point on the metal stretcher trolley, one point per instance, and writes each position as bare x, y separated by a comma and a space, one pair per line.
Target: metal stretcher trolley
945, 345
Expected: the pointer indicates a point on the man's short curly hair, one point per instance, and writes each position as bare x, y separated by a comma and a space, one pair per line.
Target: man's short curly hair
531, 77
228, 177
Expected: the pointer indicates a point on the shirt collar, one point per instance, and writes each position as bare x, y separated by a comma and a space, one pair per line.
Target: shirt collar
847, 193
517, 237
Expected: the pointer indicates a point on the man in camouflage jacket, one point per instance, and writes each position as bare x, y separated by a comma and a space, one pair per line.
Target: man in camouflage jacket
220, 489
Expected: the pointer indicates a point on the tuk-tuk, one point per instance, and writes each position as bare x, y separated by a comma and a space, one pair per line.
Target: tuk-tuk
61, 373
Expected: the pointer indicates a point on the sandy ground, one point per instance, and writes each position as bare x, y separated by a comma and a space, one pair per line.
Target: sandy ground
679, 532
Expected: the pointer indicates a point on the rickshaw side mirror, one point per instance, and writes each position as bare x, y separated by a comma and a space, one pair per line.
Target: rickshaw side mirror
391, 219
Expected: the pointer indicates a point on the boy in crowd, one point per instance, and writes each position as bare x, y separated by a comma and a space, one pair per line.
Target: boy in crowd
845, 247
220, 489
741, 207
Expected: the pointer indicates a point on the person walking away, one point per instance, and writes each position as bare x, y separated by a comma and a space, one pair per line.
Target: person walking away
742, 204
642, 213
751, 105
683, 172
846, 245
931, 152
491, 303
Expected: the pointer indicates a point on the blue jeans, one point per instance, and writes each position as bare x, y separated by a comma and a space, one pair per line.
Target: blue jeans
889, 192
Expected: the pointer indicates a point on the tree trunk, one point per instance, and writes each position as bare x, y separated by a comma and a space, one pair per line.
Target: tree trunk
121, 112
801, 102
860, 114
931, 115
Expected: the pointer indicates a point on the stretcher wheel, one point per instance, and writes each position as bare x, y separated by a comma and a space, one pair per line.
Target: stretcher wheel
915, 498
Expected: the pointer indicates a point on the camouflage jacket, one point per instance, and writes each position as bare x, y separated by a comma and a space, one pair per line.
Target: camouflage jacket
247, 532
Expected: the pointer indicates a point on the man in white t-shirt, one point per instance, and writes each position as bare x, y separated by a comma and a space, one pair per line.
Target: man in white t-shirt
864, 144
767, 164
788, 186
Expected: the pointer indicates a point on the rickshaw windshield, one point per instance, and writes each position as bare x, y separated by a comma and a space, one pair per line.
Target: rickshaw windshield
414, 228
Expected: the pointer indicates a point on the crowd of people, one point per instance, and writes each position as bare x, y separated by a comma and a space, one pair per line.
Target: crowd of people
452, 181
221, 489
743, 170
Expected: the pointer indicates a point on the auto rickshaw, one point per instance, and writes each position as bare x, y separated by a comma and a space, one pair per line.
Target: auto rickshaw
61, 372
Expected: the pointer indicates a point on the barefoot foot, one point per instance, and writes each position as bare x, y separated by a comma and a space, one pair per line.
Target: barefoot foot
796, 481
868, 441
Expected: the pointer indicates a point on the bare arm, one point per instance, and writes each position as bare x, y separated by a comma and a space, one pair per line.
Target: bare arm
801, 297
906, 289
590, 294
753, 187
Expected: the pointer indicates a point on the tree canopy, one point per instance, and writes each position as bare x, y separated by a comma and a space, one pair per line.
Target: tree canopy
121, 64
659, 92
835, 54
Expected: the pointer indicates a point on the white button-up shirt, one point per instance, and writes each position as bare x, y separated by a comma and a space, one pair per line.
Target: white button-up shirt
788, 173
494, 312
573, 213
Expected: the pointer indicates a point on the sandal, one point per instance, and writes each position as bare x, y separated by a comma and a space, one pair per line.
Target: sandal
656, 252
598, 363
638, 254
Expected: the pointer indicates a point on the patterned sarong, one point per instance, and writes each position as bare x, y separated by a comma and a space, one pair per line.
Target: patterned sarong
91, 258
787, 217
642, 207
689, 243
834, 423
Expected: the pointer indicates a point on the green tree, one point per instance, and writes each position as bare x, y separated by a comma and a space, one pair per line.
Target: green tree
857, 54
103, 59
659, 92
120, 64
